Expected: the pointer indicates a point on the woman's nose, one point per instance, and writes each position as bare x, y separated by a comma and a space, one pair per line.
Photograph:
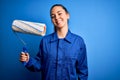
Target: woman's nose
56, 17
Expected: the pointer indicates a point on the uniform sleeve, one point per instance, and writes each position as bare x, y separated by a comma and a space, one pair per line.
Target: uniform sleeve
82, 68
35, 64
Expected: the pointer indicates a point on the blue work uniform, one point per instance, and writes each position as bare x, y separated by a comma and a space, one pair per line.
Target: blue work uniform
61, 59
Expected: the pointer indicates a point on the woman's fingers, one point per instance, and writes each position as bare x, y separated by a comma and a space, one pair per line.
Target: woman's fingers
24, 57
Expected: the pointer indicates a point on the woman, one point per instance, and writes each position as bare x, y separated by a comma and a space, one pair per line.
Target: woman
62, 54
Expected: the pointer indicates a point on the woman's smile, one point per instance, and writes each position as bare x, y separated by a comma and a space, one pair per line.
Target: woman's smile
59, 17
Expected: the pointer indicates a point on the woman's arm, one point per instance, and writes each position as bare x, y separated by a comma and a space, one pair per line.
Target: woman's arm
33, 64
82, 68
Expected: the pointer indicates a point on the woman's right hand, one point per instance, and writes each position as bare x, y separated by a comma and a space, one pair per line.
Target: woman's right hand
24, 57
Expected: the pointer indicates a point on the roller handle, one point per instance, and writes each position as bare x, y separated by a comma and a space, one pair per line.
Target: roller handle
25, 51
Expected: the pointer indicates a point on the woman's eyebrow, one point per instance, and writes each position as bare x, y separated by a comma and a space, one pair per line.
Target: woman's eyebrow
57, 12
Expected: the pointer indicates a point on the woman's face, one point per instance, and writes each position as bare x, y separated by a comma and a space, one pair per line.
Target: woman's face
59, 17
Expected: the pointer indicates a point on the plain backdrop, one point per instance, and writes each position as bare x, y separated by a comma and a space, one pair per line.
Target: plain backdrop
97, 21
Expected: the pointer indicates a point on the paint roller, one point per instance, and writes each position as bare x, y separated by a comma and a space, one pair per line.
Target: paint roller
28, 27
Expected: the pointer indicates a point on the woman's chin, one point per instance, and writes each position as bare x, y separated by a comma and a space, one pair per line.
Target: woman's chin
59, 27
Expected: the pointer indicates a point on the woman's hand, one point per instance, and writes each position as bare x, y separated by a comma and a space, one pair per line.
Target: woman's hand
24, 57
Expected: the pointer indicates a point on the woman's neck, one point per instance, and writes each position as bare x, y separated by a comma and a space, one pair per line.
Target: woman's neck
62, 32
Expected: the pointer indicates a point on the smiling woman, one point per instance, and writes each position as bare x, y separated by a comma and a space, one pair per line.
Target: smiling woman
62, 54
59, 16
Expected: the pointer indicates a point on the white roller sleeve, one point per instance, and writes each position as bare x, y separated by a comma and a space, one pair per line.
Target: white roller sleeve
29, 27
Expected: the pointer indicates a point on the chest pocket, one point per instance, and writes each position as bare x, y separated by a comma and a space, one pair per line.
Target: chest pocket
69, 64
70, 56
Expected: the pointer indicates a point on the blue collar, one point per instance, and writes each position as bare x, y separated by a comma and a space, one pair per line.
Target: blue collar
68, 37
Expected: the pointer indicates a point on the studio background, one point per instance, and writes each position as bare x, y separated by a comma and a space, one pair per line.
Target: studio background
97, 21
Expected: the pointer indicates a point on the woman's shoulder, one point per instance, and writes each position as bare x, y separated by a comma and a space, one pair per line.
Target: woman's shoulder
76, 36
48, 37
78, 39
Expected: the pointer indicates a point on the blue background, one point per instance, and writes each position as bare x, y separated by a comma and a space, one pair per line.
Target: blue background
97, 21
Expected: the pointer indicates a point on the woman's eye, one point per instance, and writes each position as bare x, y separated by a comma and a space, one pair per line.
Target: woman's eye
52, 16
60, 14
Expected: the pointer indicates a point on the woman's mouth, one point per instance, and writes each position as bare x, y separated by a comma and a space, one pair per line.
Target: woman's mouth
58, 22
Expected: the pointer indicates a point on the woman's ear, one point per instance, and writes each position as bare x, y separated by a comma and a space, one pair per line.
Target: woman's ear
68, 16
